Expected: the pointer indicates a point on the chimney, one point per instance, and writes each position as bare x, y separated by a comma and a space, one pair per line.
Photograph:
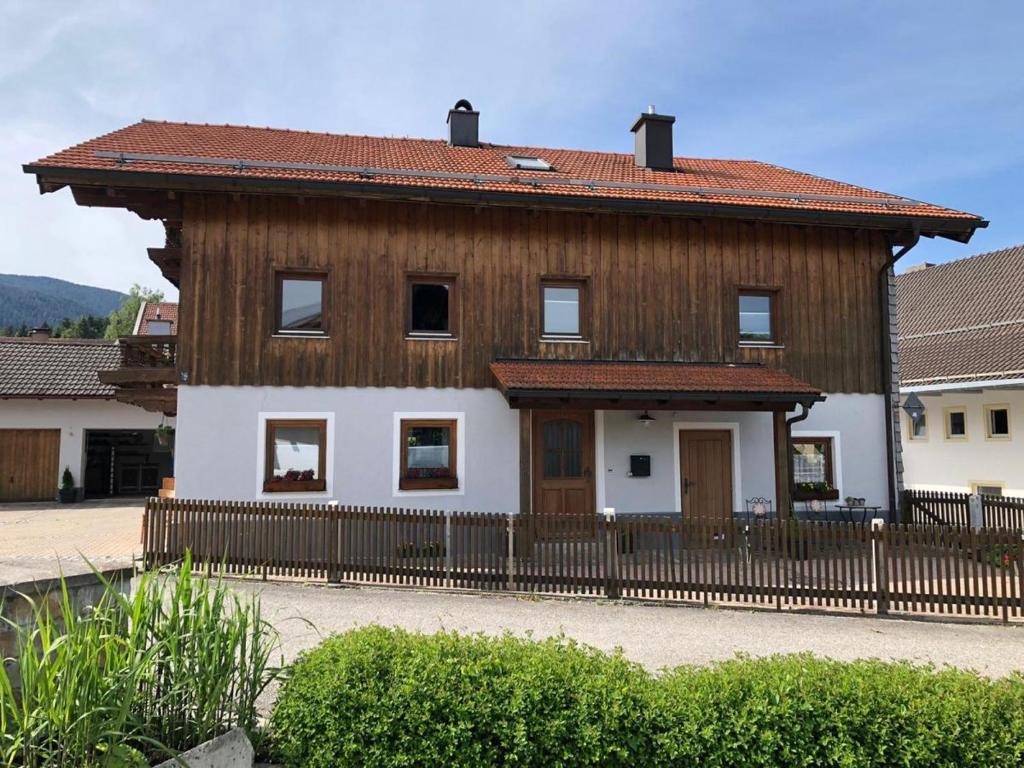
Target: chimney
463, 125
653, 134
42, 333
919, 267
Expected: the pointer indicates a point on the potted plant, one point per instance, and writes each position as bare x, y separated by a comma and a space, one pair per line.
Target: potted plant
67, 492
164, 432
819, 491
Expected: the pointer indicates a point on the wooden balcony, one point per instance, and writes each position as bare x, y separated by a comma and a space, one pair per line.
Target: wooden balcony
147, 376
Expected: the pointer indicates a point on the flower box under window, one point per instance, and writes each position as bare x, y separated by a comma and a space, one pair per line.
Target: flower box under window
814, 492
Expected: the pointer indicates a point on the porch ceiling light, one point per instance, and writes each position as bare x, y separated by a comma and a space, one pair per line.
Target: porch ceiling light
913, 406
645, 419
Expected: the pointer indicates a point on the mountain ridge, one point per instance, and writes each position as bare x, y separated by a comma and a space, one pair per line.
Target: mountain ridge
37, 299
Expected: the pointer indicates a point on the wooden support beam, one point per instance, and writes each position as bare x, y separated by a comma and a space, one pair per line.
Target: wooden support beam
525, 462
139, 375
783, 471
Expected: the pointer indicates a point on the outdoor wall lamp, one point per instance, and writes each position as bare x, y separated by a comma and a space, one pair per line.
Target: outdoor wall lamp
645, 419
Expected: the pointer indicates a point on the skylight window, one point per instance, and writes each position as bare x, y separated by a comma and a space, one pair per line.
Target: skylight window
524, 163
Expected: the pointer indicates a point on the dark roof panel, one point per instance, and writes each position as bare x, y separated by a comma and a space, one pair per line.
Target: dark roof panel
56, 368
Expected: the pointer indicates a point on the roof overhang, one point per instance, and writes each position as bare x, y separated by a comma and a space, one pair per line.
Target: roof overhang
53, 178
965, 385
598, 385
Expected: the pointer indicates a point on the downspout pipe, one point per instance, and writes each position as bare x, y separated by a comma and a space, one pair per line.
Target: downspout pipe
888, 389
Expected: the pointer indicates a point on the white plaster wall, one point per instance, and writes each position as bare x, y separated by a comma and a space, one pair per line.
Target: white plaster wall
73, 418
938, 464
218, 444
854, 422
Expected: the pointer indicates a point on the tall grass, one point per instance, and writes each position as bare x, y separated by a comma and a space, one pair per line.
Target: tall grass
179, 661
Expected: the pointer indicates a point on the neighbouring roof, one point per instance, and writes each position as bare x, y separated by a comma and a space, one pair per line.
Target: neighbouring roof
163, 310
56, 368
963, 321
599, 377
228, 152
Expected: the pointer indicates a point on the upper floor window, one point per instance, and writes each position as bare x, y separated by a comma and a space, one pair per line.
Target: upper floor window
956, 424
563, 309
296, 455
300, 299
757, 317
997, 422
919, 426
432, 307
428, 454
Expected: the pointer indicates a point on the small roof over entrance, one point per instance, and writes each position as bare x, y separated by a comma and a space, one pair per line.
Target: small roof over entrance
610, 384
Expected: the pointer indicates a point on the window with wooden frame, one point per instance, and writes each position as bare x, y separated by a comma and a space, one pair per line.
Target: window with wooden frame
956, 423
563, 309
299, 303
997, 422
428, 454
813, 472
296, 456
758, 314
431, 307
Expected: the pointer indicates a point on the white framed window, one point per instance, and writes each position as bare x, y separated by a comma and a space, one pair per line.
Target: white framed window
997, 422
988, 487
429, 457
955, 423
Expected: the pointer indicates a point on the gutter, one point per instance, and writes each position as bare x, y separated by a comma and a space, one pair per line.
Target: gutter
890, 396
805, 411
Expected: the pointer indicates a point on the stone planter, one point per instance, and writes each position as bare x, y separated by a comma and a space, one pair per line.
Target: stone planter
231, 750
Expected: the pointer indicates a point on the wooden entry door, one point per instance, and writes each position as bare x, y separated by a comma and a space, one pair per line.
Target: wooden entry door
563, 465
705, 474
29, 464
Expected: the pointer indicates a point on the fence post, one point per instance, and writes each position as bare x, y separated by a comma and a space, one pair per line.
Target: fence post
880, 565
511, 554
975, 511
448, 548
611, 545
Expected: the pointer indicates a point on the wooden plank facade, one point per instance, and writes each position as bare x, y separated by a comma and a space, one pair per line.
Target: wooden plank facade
659, 288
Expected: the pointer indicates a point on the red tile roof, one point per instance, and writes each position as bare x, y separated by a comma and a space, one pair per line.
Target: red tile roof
646, 377
164, 310
56, 368
693, 181
963, 320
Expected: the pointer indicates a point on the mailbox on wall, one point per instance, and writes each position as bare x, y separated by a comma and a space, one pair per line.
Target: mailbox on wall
640, 465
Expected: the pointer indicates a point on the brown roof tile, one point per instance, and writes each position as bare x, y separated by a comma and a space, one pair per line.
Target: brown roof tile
233, 143
963, 320
640, 377
56, 368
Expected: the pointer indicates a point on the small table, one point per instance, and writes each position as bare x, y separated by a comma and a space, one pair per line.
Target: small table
847, 511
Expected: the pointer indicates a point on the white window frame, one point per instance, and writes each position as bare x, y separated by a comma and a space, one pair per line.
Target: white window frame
988, 422
460, 456
261, 454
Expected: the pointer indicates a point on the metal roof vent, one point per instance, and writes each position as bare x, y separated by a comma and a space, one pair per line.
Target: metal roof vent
463, 125
653, 134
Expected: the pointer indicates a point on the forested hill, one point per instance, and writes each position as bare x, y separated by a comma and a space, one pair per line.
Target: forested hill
34, 300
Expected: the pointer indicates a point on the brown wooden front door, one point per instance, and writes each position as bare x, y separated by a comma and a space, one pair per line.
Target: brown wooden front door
29, 464
563, 464
705, 473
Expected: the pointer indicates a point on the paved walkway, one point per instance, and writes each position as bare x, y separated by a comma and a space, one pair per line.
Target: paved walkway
656, 636
39, 540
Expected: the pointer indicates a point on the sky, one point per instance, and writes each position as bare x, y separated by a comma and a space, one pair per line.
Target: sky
922, 99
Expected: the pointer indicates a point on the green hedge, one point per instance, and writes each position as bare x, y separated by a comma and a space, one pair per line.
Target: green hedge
380, 697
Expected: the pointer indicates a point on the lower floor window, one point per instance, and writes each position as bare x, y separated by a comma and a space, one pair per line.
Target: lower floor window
296, 455
812, 464
428, 454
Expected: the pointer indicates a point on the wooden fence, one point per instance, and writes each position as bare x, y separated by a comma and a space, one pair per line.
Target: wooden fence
836, 566
954, 509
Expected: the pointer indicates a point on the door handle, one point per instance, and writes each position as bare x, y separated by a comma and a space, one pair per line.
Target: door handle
687, 483
586, 472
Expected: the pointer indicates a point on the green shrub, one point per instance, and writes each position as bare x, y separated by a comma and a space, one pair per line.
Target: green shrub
180, 661
378, 697
391, 698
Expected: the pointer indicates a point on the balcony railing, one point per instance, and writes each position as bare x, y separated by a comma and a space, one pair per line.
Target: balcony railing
148, 351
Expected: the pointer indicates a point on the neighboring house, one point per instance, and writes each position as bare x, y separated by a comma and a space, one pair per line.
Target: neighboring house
55, 413
464, 325
157, 319
961, 327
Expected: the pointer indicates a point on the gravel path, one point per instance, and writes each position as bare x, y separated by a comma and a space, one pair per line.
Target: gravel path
654, 635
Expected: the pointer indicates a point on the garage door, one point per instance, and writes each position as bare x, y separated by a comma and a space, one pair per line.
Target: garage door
29, 464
